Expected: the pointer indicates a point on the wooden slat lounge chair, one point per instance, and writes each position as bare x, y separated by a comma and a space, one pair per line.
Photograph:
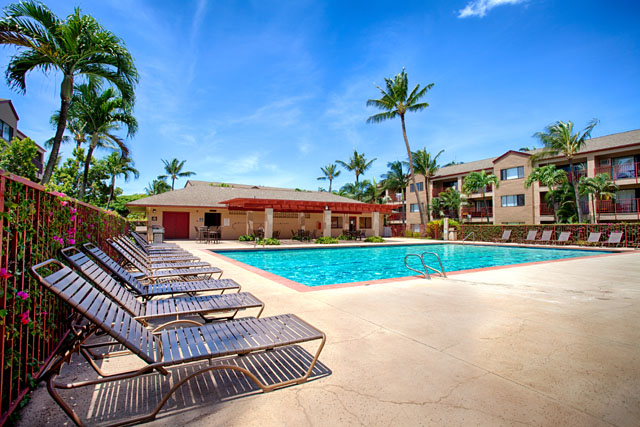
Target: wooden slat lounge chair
158, 263
129, 256
546, 236
152, 290
165, 256
594, 238
143, 243
169, 347
563, 238
531, 236
155, 275
166, 307
615, 238
506, 235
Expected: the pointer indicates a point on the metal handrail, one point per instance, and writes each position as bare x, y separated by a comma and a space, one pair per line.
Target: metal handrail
441, 272
425, 273
467, 236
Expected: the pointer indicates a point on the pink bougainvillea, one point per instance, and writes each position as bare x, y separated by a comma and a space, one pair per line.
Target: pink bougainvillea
24, 318
22, 295
4, 274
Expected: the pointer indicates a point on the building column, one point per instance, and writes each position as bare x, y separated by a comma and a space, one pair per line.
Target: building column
301, 220
345, 223
249, 222
268, 227
327, 224
375, 223
591, 172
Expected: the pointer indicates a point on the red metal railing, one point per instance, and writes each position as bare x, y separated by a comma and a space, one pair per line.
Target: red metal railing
395, 217
619, 207
477, 212
577, 174
32, 224
625, 171
546, 209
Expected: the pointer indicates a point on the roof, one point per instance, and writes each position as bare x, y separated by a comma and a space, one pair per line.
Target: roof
280, 205
211, 196
3, 100
192, 182
518, 153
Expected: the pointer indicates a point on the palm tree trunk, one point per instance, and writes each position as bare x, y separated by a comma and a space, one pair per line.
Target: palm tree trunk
413, 175
111, 190
87, 164
426, 187
57, 139
330, 182
404, 208
575, 189
173, 181
484, 202
593, 204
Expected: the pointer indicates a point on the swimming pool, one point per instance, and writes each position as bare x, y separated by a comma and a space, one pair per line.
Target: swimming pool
325, 266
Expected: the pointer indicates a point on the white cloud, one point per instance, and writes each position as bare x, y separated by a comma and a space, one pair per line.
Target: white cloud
480, 8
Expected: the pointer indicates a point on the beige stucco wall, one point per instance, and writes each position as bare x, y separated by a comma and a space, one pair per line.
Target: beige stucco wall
523, 214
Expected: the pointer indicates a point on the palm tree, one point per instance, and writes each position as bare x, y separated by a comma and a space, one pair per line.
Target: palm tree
357, 163
600, 187
117, 165
397, 180
330, 172
356, 190
100, 113
372, 191
436, 207
396, 102
173, 169
451, 200
564, 198
424, 164
157, 186
558, 138
550, 177
76, 46
478, 182
529, 148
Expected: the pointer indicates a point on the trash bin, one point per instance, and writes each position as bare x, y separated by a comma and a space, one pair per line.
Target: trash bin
158, 234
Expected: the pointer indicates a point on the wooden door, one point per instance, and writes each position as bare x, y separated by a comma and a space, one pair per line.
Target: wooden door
176, 225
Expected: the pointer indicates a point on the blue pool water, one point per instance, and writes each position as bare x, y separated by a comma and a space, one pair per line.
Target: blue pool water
316, 267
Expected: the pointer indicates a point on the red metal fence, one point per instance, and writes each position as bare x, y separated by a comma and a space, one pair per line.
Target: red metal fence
34, 224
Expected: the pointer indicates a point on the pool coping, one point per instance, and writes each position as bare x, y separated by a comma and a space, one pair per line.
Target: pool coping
292, 284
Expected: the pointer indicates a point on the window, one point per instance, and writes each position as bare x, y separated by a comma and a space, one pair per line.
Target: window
450, 184
336, 222
6, 131
420, 186
515, 200
414, 207
212, 219
623, 167
512, 173
365, 222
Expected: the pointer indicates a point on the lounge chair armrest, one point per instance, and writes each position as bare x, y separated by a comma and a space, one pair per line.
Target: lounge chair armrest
35, 268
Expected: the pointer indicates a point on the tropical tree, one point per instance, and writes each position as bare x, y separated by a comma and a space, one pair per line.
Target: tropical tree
599, 187
173, 169
76, 46
373, 193
17, 157
357, 190
397, 180
436, 207
427, 165
157, 186
527, 148
396, 101
563, 199
330, 172
357, 164
451, 200
550, 177
559, 138
119, 165
100, 113
477, 182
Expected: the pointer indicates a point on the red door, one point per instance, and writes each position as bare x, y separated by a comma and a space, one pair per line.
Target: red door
176, 225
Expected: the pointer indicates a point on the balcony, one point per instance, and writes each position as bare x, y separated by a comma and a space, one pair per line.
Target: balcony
577, 174
546, 209
476, 212
619, 207
617, 172
436, 191
395, 217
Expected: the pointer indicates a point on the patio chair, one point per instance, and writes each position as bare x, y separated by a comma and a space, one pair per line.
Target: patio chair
531, 236
166, 348
152, 290
563, 238
594, 238
506, 235
615, 238
155, 275
166, 307
546, 236
156, 264
163, 257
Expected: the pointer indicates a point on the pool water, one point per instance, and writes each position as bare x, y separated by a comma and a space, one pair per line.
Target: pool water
317, 267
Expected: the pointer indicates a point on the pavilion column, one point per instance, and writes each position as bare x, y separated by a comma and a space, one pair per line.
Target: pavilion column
301, 220
375, 223
345, 223
268, 228
327, 224
249, 222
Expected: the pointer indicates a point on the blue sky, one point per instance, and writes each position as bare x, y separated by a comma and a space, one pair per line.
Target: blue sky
268, 92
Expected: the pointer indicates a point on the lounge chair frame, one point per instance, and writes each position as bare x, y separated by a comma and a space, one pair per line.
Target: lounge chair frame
158, 263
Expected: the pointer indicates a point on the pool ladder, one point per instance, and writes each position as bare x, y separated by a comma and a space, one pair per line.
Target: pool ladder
426, 274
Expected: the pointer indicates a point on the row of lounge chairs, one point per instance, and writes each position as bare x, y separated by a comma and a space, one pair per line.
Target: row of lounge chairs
110, 298
615, 238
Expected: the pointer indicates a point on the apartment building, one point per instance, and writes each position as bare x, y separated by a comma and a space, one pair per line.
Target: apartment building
511, 203
9, 129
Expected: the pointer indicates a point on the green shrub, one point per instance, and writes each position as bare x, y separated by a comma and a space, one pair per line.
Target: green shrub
247, 238
269, 241
374, 239
326, 240
344, 237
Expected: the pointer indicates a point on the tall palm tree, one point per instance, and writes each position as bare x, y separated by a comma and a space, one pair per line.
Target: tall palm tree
173, 169
550, 177
425, 164
157, 186
477, 182
558, 138
102, 113
118, 165
358, 164
76, 46
396, 101
600, 187
330, 172
397, 180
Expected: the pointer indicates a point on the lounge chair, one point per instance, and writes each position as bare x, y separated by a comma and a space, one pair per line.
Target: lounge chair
615, 238
155, 275
546, 236
531, 236
166, 307
142, 242
563, 238
506, 235
594, 238
166, 348
152, 290
160, 262
164, 256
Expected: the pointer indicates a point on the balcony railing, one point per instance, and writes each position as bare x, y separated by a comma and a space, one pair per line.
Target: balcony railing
395, 217
546, 209
436, 191
577, 174
477, 212
618, 207
625, 171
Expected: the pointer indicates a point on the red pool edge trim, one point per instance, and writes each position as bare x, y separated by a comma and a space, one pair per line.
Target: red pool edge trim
304, 288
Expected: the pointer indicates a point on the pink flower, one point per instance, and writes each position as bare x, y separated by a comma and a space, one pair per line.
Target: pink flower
24, 317
23, 295
64, 203
73, 210
72, 230
73, 218
4, 274
71, 241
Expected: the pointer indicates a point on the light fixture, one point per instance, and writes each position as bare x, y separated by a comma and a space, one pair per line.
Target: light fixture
153, 211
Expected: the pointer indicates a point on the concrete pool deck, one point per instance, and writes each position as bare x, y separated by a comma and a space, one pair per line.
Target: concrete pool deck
544, 344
